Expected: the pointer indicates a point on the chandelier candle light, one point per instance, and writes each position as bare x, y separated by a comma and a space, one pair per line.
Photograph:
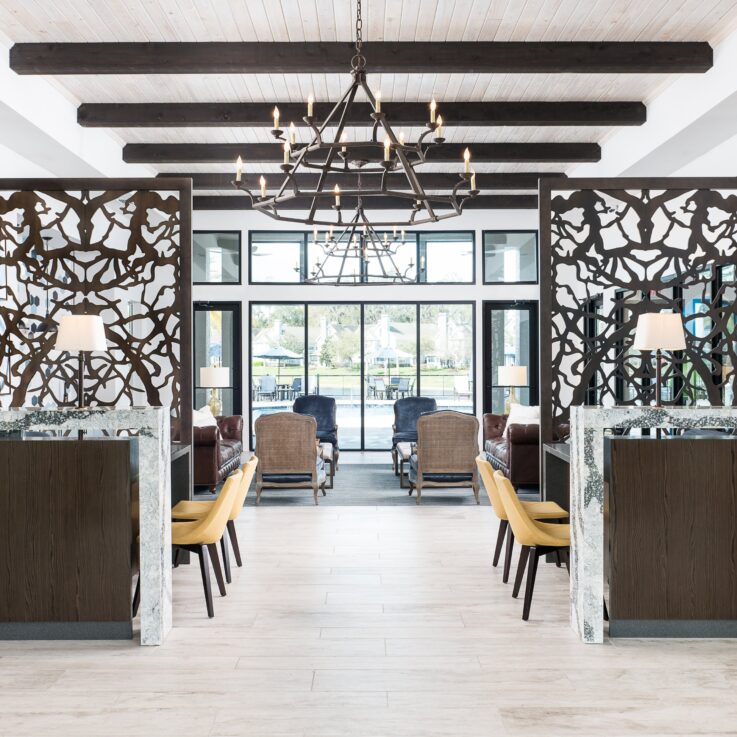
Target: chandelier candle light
368, 169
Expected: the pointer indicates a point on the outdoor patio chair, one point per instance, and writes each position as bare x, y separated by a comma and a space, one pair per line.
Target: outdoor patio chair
267, 387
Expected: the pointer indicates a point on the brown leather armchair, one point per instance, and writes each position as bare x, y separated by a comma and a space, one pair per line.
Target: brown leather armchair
217, 450
517, 456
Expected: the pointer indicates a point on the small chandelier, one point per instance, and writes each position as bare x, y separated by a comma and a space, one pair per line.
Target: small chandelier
325, 203
359, 255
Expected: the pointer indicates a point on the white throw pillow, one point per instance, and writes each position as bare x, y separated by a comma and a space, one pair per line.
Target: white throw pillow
203, 417
521, 414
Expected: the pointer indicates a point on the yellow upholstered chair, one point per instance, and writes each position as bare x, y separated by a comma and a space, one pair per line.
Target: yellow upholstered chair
201, 536
536, 510
194, 510
537, 538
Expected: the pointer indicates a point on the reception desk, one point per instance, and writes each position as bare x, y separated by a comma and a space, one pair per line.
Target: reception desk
78, 542
670, 483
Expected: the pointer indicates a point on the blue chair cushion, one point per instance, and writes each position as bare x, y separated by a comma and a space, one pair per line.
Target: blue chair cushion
438, 478
297, 478
408, 436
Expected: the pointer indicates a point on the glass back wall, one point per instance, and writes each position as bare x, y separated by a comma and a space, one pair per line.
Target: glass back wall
366, 356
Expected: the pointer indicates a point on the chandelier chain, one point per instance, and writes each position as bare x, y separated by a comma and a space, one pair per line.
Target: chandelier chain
359, 60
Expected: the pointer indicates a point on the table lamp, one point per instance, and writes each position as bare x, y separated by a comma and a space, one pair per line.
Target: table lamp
511, 376
215, 378
659, 331
81, 334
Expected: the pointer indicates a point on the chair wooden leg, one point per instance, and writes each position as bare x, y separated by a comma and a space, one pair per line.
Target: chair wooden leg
226, 558
234, 543
530, 588
177, 554
215, 560
524, 554
136, 597
557, 557
395, 465
258, 495
205, 571
476, 493
418, 495
606, 612
499, 541
314, 493
508, 554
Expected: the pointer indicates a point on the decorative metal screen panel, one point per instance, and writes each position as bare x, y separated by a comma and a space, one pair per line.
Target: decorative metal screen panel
117, 248
613, 249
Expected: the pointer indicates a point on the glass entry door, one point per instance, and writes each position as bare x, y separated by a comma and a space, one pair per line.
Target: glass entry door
510, 339
217, 342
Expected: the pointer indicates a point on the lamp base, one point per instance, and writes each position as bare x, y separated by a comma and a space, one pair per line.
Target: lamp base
214, 403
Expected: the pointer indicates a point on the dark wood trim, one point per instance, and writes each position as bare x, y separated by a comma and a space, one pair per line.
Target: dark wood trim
482, 202
258, 114
334, 57
431, 180
273, 153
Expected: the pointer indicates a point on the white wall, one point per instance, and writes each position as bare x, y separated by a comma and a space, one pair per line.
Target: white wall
476, 220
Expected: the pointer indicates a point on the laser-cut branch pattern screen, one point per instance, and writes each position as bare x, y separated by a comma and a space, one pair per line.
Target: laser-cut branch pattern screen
616, 253
117, 253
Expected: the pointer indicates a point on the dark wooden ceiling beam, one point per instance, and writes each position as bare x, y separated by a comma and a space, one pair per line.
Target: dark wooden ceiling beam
430, 181
482, 202
317, 57
219, 153
258, 114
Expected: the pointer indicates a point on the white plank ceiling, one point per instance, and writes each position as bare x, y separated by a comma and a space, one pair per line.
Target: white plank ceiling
384, 20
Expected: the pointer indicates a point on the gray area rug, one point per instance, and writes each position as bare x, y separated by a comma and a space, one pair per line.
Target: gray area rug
365, 485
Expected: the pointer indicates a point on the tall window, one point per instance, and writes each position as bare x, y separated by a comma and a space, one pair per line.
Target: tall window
510, 339
289, 257
510, 257
217, 342
366, 356
216, 257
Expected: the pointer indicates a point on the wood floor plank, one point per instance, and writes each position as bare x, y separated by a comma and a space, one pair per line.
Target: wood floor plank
364, 622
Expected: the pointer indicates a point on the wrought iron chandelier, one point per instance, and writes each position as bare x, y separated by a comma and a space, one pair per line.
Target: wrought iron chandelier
330, 156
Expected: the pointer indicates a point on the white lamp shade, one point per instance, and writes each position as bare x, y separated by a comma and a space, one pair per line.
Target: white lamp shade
214, 377
512, 376
660, 331
81, 333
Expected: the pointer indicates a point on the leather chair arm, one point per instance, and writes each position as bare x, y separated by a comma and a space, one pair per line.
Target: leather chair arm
494, 426
524, 434
231, 427
205, 435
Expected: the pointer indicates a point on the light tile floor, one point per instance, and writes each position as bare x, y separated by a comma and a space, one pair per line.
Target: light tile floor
369, 622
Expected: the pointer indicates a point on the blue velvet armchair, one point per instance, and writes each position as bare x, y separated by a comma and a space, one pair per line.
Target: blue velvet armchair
323, 409
406, 413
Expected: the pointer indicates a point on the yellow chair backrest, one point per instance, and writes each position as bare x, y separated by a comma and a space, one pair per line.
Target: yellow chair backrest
248, 470
487, 476
211, 528
524, 529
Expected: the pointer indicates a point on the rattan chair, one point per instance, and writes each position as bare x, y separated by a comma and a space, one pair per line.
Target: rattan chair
286, 447
447, 446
